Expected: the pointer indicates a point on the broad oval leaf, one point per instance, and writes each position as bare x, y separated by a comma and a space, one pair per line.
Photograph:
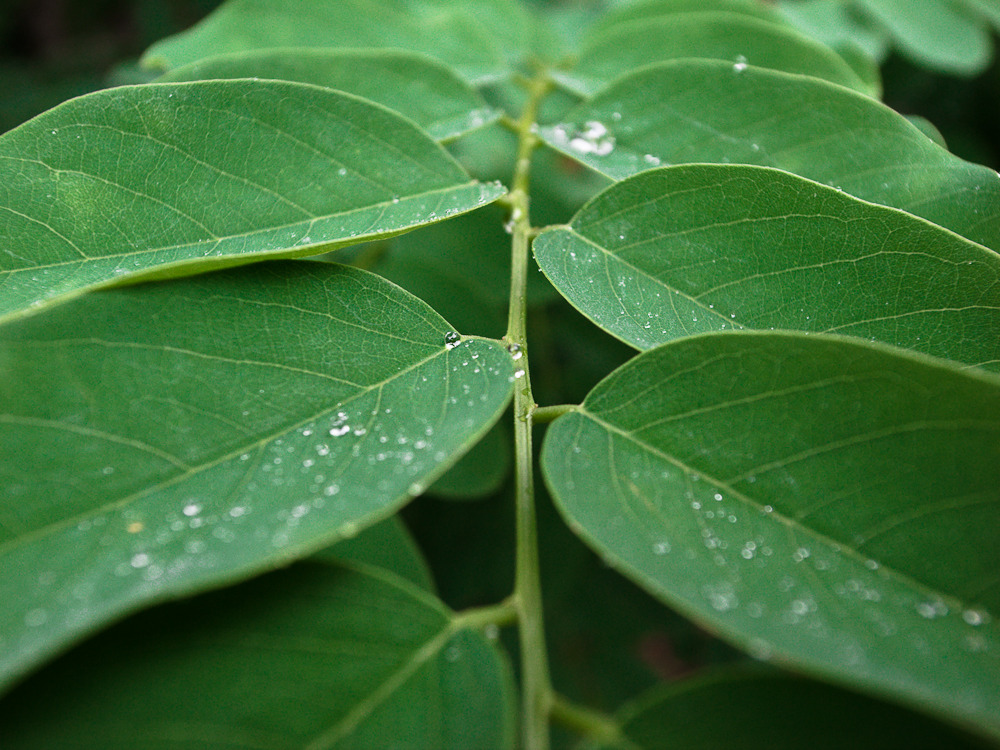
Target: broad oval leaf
767, 709
827, 503
446, 31
699, 248
168, 179
315, 656
938, 34
426, 91
708, 111
163, 439
725, 36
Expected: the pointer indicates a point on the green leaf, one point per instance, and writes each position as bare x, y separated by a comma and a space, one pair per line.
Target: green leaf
768, 710
386, 545
427, 92
724, 36
481, 471
159, 440
699, 248
822, 502
447, 31
707, 111
311, 657
165, 180
648, 10
939, 34
837, 25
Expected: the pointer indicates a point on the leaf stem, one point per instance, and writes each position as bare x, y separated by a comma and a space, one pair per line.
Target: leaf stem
545, 414
592, 724
536, 687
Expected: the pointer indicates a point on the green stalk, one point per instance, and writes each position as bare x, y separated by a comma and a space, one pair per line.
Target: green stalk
536, 687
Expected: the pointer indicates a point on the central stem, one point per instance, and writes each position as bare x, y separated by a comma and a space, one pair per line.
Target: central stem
537, 696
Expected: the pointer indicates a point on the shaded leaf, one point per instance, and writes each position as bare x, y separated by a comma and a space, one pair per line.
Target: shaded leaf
829, 504
699, 248
311, 657
481, 471
707, 111
386, 545
167, 438
837, 25
768, 710
724, 36
939, 34
165, 180
446, 31
427, 92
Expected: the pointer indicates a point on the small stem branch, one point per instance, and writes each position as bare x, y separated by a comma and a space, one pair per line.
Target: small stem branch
504, 613
536, 690
546, 414
588, 722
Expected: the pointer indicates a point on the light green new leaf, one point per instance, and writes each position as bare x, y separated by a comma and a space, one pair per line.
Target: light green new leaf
165, 180
707, 111
770, 710
311, 657
939, 34
703, 247
447, 31
724, 36
427, 92
831, 504
162, 439
388, 545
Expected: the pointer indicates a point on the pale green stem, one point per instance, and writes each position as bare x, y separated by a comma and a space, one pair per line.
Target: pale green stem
592, 724
545, 414
536, 688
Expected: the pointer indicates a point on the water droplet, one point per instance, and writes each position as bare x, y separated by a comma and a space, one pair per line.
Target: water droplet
932, 609
452, 339
140, 560
192, 509
740, 65
515, 351
975, 617
661, 548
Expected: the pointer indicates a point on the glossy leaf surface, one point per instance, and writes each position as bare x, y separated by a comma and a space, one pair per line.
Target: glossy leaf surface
767, 710
162, 439
724, 36
699, 248
829, 504
706, 111
427, 92
164, 180
311, 657
648, 10
450, 32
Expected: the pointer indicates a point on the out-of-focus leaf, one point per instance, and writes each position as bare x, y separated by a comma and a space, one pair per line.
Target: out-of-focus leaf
829, 504
450, 32
649, 10
708, 111
704, 247
725, 36
479, 472
169, 179
163, 439
421, 88
311, 657
767, 710
939, 34
836, 25
386, 545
